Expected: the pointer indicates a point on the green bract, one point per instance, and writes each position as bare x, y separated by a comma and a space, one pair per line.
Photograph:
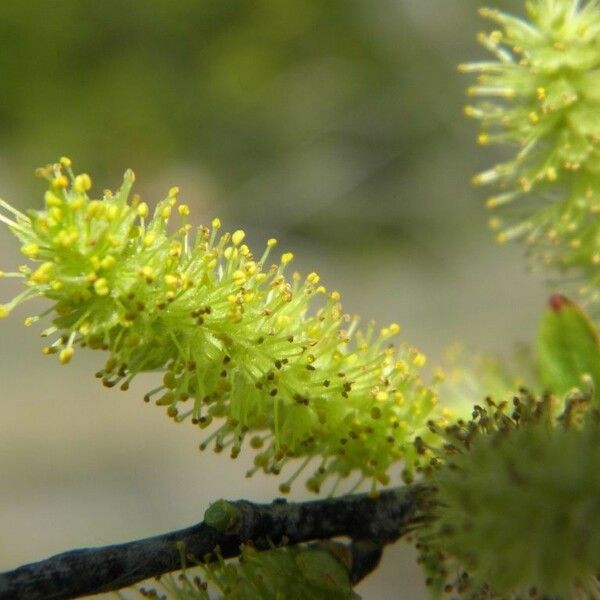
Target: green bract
541, 95
275, 360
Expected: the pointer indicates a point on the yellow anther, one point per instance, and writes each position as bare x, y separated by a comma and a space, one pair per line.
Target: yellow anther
495, 37
216, 223
147, 273
3, 312
101, 287
501, 238
30, 250
419, 359
95, 209
142, 210
313, 278
534, 118
394, 329
541, 93
494, 223
66, 354
82, 183
172, 281
283, 320
239, 278
112, 212
108, 262
183, 210
483, 139
272, 243
95, 262
175, 250
335, 296
524, 184
237, 237
165, 212
42, 273
149, 239
173, 191
287, 257
60, 183
551, 174
314, 331
65, 161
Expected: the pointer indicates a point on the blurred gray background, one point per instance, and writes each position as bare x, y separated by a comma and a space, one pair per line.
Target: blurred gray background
332, 125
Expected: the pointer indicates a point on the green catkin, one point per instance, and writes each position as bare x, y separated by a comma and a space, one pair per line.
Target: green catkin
541, 95
286, 573
270, 358
515, 512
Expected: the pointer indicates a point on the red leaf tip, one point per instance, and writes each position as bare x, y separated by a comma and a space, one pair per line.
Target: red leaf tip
558, 302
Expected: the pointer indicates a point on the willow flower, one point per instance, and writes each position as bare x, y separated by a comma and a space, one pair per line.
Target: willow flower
272, 359
515, 512
540, 96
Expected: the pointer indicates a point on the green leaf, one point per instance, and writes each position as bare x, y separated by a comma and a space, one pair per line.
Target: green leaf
568, 347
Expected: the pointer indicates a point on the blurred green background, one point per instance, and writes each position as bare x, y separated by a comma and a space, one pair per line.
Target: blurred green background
334, 125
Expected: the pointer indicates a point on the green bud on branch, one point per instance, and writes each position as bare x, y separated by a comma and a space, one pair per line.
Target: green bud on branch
222, 516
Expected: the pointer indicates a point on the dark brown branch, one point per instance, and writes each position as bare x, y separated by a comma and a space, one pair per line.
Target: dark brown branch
371, 522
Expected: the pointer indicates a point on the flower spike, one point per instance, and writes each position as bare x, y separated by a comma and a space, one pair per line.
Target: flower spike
542, 96
271, 359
